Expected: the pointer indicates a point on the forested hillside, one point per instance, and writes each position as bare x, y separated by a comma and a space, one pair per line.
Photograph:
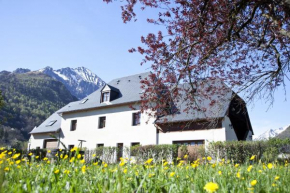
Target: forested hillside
29, 98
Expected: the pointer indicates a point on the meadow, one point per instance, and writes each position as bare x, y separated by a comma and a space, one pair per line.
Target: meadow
73, 174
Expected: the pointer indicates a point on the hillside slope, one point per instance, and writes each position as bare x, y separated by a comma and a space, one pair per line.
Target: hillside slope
285, 134
29, 99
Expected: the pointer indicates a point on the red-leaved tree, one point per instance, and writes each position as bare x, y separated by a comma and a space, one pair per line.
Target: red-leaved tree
244, 43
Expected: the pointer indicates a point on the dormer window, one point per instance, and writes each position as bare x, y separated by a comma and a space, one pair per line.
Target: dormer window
105, 96
109, 93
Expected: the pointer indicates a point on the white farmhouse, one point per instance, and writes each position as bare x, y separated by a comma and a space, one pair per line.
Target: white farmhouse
104, 118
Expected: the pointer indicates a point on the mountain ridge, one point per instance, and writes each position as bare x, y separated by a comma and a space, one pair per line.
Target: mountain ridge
271, 133
79, 81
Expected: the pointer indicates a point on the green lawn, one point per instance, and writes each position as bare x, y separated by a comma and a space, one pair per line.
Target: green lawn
73, 175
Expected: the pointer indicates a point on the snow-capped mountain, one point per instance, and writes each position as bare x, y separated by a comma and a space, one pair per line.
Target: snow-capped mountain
79, 81
271, 133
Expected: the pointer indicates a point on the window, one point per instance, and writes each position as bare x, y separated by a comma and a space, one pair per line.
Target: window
84, 101
189, 142
100, 145
105, 96
102, 122
136, 118
50, 123
73, 125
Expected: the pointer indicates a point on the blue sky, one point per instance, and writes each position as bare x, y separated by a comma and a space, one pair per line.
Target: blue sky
90, 33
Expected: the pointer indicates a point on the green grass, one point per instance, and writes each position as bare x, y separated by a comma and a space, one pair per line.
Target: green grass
75, 176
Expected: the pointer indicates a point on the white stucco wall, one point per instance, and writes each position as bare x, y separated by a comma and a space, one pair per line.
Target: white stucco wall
229, 130
208, 135
37, 140
118, 128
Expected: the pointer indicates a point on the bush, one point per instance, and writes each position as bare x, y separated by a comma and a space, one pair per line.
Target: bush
240, 151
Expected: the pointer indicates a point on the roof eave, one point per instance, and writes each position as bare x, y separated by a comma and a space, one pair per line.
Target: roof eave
99, 107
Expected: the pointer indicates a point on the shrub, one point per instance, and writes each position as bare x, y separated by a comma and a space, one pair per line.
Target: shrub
240, 151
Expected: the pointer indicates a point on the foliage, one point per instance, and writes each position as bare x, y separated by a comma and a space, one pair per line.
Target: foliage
158, 152
1, 101
17, 174
29, 99
241, 150
245, 43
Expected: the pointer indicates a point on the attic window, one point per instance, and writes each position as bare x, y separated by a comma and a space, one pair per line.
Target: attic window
84, 101
51, 123
105, 96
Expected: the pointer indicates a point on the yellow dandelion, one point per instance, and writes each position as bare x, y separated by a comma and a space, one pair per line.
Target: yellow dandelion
6, 169
149, 161
18, 162
9, 153
48, 151
84, 169
15, 156
125, 171
94, 155
30, 154
36, 157
79, 156
95, 164
237, 165
253, 157
277, 177
209, 158
253, 182
66, 171
165, 163
274, 184
72, 159
186, 156
249, 168
151, 175
238, 175
122, 163
83, 161
56, 171
270, 165
220, 172
65, 157
172, 174
211, 187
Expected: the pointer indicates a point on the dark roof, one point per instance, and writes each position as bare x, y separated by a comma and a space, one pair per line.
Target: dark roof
46, 128
129, 89
206, 110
